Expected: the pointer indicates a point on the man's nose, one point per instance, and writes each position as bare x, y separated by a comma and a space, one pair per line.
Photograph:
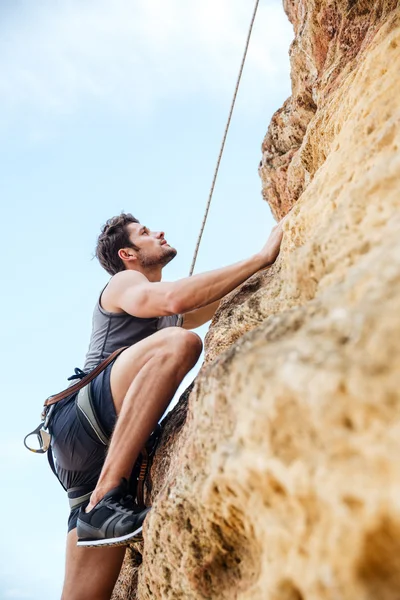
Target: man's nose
160, 234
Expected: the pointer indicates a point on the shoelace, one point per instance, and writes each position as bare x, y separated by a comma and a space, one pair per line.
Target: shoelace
125, 504
128, 501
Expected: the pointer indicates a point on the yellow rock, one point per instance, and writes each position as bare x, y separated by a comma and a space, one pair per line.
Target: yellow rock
284, 482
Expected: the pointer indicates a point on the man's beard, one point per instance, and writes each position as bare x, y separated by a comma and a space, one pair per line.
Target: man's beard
165, 256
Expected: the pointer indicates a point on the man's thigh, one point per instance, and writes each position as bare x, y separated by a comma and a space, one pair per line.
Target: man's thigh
90, 572
128, 364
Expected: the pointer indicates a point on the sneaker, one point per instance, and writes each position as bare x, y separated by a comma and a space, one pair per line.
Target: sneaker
112, 521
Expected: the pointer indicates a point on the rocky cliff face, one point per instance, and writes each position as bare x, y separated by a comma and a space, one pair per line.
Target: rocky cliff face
278, 476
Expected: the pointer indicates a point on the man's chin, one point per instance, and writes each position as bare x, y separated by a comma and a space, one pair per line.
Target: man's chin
173, 251
169, 253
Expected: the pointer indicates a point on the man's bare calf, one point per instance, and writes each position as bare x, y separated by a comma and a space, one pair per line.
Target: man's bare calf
143, 381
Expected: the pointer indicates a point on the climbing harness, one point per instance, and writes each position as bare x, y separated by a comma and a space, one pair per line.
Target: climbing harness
83, 399
78, 495
42, 430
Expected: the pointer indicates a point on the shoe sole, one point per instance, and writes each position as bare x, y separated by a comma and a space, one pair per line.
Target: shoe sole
118, 541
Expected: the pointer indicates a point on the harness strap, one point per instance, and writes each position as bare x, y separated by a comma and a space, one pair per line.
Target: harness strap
142, 477
50, 458
85, 407
73, 500
85, 380
76, 501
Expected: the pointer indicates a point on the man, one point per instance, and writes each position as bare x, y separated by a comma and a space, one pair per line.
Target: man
137, 310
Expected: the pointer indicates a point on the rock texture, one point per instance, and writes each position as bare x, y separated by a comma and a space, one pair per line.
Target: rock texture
331, 40
279, 475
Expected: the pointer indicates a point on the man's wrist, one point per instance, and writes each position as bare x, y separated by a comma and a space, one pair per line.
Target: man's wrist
261, 261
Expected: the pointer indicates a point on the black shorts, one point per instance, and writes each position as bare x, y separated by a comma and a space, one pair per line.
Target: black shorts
78, 454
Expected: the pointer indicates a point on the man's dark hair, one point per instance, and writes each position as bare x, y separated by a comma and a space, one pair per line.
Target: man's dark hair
113, 237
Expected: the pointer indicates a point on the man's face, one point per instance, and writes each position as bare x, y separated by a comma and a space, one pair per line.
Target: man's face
153, 247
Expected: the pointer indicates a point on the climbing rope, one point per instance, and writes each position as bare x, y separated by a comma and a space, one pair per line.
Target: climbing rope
224, 139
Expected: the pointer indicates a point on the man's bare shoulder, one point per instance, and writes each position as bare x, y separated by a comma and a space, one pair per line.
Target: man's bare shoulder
125, 279
117, 286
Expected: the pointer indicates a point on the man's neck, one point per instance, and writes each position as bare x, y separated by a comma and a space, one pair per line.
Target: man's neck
153, 274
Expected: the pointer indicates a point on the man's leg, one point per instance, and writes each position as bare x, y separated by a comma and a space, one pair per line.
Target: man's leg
90, 573
143, 381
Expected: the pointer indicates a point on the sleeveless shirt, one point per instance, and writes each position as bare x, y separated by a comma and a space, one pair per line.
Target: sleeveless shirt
114, 330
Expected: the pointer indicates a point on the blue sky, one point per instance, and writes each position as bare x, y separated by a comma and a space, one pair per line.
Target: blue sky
109, 106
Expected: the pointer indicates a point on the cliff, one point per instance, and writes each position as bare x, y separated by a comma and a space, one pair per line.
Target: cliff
278, 475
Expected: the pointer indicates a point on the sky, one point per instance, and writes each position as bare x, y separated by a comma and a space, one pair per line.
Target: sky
110, 106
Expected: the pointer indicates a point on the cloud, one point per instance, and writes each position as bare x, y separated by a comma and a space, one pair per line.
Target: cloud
59, 57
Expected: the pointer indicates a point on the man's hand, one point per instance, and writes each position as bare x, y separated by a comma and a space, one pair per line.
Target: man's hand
271, 249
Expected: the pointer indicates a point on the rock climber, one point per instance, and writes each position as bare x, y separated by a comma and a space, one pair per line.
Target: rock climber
135, 309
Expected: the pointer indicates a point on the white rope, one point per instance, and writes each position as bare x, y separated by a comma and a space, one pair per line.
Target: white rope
224, 139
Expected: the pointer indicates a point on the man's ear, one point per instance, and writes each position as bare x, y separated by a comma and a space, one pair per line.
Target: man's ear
127, 254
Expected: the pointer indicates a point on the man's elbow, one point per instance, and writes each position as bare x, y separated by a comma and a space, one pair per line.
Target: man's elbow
174, 304
179, 303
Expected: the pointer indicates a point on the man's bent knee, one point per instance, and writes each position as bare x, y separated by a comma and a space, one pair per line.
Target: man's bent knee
186, 343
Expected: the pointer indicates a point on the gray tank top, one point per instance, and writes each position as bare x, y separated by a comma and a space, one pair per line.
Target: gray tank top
114, 330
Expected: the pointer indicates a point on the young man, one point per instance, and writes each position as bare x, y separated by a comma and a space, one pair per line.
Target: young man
137, 310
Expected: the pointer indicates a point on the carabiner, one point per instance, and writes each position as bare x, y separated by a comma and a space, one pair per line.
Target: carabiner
44, 439
41, 432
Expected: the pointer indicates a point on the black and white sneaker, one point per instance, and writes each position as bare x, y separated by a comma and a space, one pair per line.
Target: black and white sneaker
112, 521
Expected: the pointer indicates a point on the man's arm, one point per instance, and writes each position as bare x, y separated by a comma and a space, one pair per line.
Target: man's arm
135, 294
196, 318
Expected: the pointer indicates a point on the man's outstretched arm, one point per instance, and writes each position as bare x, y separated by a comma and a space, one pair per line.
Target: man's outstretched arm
136, 295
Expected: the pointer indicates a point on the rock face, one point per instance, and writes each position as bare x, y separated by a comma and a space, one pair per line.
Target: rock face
278, 477
332, 38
